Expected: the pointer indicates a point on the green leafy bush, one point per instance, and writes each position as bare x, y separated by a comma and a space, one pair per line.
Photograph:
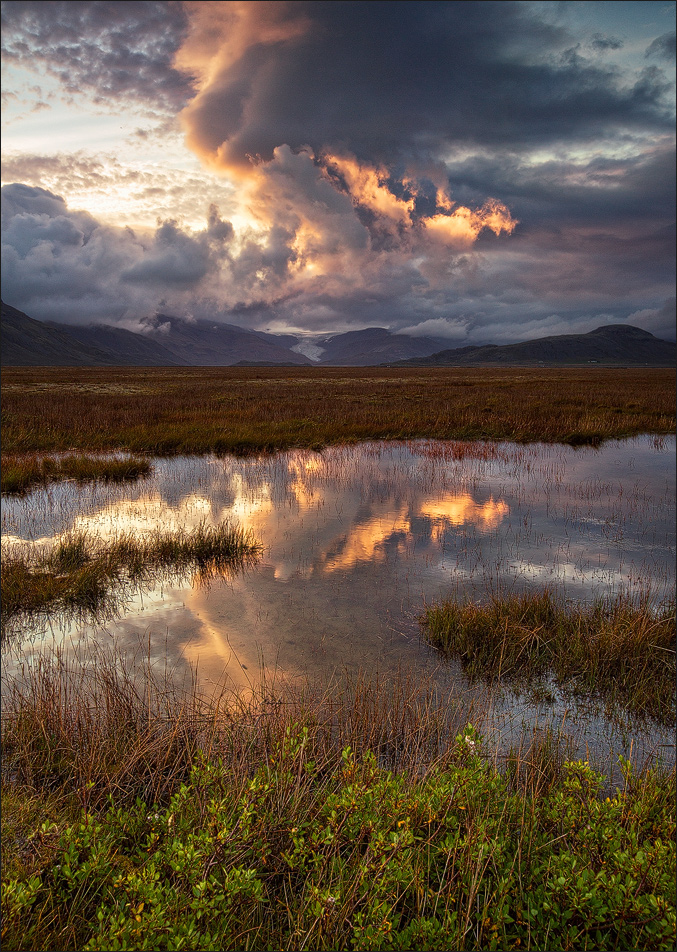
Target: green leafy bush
349, 855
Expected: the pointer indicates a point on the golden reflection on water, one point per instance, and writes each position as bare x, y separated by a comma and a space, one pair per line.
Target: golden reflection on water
459, 509
357, 538
365, 542
217, 645
389, 521
134, 516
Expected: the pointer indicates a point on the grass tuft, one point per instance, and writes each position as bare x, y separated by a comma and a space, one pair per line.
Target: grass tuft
88, 574
22, 473
619, 648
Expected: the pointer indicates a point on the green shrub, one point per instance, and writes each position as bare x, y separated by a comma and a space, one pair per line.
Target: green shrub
348, 855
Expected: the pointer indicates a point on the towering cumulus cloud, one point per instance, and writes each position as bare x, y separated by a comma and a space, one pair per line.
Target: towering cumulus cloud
310, 77
483, 170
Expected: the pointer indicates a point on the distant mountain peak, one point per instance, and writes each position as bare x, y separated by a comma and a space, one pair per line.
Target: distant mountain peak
622, 330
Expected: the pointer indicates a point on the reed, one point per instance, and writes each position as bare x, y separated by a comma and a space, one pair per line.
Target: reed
620, 648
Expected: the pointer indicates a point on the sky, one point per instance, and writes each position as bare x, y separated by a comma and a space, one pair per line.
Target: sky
481, 172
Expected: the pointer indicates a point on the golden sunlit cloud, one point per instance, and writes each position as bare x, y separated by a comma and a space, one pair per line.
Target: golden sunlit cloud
459, 509
367, 186
454, 225
462, 225
365, 542
219, 36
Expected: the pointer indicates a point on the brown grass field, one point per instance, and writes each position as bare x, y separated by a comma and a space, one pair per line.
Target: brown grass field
250, 410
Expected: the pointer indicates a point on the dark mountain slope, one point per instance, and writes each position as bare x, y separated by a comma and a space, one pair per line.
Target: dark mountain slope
30, 343
168, 341
208, 344
123, 347
613, 344
373, 345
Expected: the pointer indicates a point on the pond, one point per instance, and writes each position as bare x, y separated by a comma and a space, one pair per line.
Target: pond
357, 541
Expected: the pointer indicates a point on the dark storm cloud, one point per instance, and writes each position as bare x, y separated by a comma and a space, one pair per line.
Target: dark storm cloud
393, 81
663, 47
637, 190
109, 50
65, 265
20, 199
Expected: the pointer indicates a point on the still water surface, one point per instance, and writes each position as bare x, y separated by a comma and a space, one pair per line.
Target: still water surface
358, 540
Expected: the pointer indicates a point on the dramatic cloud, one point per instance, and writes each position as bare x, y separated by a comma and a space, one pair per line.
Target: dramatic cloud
478, 171
398, 82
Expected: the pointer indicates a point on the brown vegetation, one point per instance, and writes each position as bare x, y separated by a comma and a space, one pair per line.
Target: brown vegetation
622, 649
21, 473
248, 410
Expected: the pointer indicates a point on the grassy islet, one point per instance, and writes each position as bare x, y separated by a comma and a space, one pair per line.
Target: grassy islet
621, 648
22, 473
86, 573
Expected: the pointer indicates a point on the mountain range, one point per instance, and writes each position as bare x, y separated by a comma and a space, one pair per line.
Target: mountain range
171, 341
166, 341
611, 344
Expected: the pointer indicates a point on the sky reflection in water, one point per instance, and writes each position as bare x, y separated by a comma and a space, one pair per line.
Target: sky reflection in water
358, 539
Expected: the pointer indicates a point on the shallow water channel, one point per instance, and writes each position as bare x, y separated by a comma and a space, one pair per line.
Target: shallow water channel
357, 541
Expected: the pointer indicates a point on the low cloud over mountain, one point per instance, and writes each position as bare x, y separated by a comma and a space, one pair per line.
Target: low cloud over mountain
171, 341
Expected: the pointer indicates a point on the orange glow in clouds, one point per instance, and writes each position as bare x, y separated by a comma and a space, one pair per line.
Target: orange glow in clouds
455, 225
367, 187
277, 190
219, 36
462, 225
461, 509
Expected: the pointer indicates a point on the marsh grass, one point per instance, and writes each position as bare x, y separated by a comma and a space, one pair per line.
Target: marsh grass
254, 410
84, 573
21, 473
621, 648
133, 728
137, 815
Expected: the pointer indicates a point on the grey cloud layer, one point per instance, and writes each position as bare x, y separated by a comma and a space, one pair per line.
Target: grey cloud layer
106, 49
64, 265
397, 81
